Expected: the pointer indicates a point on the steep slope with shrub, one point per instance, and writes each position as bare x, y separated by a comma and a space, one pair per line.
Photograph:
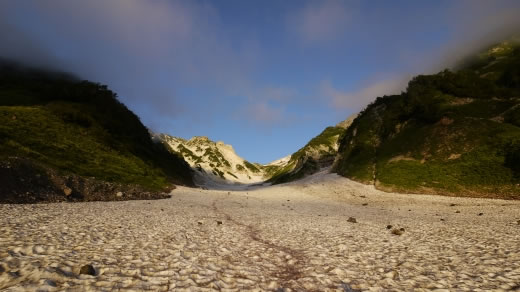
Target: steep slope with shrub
79, 128
455, 133
319, 152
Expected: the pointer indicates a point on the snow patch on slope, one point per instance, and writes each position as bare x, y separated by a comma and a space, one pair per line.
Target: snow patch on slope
215, 163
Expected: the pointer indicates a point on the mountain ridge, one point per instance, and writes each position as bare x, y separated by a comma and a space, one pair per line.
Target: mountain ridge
217, 162
450, 133
77, 133
214, 161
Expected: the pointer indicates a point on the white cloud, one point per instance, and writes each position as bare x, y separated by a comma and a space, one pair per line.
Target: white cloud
319, 21
357, 99
262, 113
144, 50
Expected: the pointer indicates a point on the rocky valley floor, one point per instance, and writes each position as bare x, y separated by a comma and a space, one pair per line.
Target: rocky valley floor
294, 237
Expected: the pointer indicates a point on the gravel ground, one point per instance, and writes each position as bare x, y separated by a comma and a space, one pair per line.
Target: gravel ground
293, 237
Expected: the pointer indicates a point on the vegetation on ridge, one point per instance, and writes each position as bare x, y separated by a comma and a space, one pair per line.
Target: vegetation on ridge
318, 152
449, 133
80, 127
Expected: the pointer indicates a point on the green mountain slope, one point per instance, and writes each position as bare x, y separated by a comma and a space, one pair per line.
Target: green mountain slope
455, 133
319, 152
80, 128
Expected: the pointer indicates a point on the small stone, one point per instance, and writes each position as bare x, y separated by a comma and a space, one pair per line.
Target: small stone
38, 249
480, 214
219, 222
391, 275
451, 205
442, 219
2, 270
396, 231
187, 254
389, 226
518, 222
457, 211
365, 204
199, 222
50, 283
13, 118
67, 191
87, 270
119, 194
351, 220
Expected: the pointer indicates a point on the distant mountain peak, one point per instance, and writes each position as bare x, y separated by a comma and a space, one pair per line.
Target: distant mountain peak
215, 161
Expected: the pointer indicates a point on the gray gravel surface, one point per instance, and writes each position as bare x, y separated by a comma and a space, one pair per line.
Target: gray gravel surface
293, 237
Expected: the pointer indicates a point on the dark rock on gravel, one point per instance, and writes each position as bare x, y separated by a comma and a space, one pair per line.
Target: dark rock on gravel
87, 270
396, 231
51, 283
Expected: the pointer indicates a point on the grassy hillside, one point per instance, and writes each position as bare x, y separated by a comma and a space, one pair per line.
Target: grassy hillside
80, 127
320, 151
452, 133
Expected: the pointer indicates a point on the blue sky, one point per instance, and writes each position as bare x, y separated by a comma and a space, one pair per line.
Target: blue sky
264, 76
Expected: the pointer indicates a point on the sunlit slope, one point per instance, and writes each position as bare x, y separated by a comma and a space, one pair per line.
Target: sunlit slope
79, 127
319, 152
450, 133
214, 160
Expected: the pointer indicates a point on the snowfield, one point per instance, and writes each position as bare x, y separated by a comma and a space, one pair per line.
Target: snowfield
323, 233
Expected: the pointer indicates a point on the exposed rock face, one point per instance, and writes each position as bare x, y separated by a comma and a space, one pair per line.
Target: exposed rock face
23, 181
